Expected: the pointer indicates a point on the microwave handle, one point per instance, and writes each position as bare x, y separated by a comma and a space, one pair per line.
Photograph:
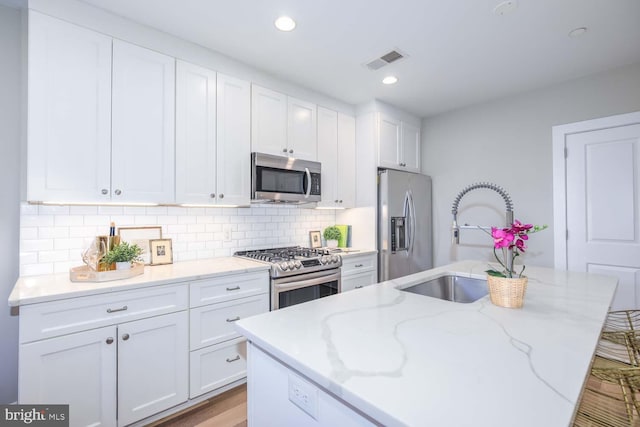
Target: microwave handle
308, 192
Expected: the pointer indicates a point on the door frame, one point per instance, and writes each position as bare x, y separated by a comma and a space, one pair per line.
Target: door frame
559, 135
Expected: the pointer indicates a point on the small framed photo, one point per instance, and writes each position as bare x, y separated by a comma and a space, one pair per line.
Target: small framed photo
161, 251
141, 237
315, 239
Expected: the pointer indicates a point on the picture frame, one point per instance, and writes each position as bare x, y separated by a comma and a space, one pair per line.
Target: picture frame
315, 239
141, 237
161, 251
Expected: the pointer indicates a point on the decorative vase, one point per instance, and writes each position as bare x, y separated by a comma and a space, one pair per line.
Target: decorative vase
332, 243
126, 265
507, 292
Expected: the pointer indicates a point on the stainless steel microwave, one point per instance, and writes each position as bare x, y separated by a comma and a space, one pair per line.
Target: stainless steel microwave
284, 179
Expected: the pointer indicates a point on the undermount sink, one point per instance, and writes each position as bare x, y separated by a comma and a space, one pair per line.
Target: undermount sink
451, 288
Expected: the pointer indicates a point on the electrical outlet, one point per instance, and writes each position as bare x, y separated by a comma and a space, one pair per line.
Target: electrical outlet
226, 231
304, 395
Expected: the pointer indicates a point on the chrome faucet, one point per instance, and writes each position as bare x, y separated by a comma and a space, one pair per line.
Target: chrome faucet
508, 217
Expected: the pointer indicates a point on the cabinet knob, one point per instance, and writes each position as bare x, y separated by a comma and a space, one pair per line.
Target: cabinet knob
221, 196
291, 151
110, 340
118, 192
125, 337
212, 195
105, 191
284, 150
335, 201
340, 201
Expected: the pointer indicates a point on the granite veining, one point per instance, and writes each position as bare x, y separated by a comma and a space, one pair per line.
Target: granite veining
407, 359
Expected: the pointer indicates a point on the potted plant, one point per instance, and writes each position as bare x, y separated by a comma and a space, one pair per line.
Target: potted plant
332, 235
507, 287
123, 255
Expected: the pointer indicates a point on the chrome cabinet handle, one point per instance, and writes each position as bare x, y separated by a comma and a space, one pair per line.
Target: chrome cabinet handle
234, 288
113, 310
235, 319
290, 151
118, 192
340, 201
110, 340
125, 337
234, 359
358, 287
358, 265
221, 196
335, 201
212, 195
105, 191
284, 150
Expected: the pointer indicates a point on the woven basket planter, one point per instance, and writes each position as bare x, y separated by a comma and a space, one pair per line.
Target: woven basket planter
507, 292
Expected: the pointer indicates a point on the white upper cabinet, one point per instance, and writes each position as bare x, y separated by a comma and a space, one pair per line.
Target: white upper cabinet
301, 131
282, 125
337, 152
398, 144
213, 163
143, 105
195, 134
234, 141
69, 112
268, 121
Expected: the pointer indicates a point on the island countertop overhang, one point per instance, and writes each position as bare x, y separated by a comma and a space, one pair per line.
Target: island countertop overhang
372, 346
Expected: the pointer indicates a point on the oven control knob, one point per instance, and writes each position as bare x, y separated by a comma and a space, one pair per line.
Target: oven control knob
284, 266
334, 258
297, 264
292, 265
326, 259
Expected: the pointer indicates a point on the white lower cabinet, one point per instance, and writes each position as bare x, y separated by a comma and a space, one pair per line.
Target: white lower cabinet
113, 375
218, 352
359, 271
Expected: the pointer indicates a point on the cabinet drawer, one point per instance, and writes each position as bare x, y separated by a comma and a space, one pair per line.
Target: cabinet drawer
228, 288
356, 281
213, 324
355, 264
57, 318
218, 365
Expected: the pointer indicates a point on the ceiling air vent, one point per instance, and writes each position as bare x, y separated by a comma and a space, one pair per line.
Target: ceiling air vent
387, 58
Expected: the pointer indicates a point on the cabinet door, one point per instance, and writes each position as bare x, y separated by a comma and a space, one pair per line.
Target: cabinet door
346, 177
233, 169
301, 131
388, 141
195, 134
216, 366
142, 152
328, 155
69, 112
78, 370
268, 121
410, 150
153, 366
357, 281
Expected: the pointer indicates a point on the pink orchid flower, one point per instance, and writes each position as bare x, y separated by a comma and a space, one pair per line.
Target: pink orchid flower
502, 237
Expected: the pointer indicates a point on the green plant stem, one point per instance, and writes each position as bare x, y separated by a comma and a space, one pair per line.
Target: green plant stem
500, 262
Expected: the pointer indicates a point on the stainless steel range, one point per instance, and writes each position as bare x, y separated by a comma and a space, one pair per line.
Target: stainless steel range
299, 274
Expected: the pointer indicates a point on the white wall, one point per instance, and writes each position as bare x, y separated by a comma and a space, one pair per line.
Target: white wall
10, 132
508, 141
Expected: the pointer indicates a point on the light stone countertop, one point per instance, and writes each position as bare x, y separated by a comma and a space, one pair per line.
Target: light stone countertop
51, 287
407, 359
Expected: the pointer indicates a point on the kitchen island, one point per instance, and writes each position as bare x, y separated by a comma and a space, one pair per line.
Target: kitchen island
379, 355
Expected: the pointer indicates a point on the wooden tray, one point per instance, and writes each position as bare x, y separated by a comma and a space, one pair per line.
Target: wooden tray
86, 274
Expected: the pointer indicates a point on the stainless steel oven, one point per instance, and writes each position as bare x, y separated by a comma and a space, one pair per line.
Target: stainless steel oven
292, 290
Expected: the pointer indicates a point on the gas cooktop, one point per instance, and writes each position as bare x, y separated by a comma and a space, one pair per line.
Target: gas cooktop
293, 260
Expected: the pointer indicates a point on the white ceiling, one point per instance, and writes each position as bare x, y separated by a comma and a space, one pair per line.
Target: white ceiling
461, 53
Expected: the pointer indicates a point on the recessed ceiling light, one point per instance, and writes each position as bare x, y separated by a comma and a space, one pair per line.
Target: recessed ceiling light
505, 8
285, 23
389, 80
577, 32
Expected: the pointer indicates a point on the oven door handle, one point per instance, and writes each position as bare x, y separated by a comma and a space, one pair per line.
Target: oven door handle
305, 283
308, 192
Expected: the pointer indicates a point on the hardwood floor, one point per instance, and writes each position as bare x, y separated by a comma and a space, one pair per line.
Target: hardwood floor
228, 409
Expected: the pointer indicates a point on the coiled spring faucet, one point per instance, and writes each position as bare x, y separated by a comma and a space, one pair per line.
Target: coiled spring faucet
508, 217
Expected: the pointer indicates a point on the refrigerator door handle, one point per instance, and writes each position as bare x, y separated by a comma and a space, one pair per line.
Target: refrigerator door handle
412, 222
409, 223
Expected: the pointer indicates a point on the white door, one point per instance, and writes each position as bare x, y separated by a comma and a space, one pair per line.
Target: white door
302, 129
153, 366
388, 142
603, 218
346, 181
233, 168
328, 155
268, 121
410, 147
69, 117
195, 134
142, 146
78, 370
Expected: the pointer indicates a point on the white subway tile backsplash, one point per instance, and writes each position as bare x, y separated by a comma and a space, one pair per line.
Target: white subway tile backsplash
53, 239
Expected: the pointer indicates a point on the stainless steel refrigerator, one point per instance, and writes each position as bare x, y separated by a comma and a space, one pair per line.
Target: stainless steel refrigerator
404, 224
